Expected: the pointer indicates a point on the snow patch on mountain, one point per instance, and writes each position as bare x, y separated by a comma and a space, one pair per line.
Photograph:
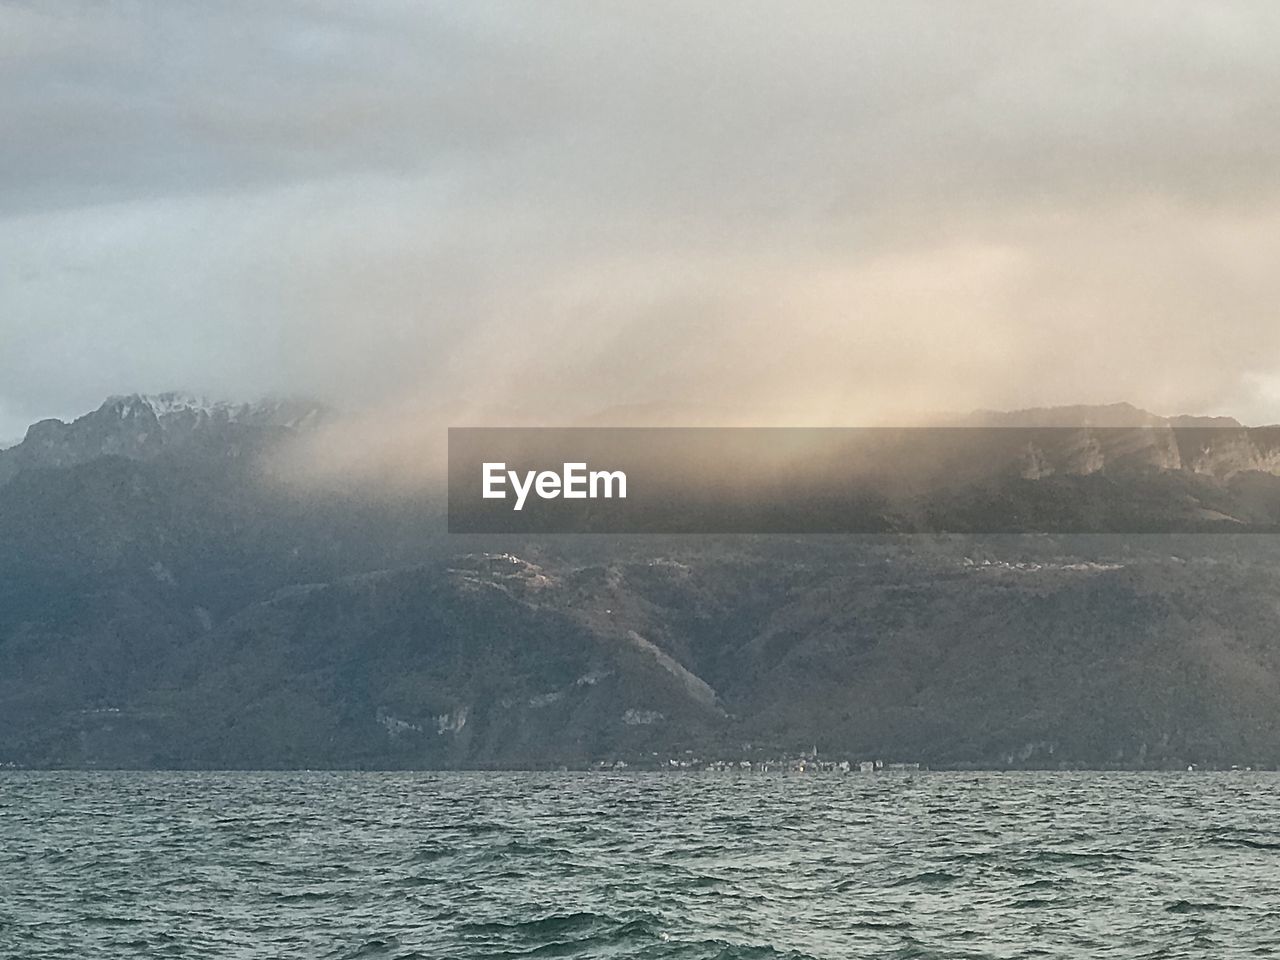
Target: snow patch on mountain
280, 412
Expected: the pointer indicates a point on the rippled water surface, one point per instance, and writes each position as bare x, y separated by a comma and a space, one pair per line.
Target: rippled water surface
353, 865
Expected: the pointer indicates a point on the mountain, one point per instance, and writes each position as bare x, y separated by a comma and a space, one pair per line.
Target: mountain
1085, 440
161, 606
145, 426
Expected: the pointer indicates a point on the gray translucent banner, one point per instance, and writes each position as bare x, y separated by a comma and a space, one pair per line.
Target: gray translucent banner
1146, 479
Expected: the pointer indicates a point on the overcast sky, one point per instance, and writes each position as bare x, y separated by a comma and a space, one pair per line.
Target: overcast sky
841, 210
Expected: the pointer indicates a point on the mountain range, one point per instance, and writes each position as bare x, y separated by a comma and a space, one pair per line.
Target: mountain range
162, 606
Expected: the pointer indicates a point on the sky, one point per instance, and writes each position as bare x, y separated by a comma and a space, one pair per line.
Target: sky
815, 212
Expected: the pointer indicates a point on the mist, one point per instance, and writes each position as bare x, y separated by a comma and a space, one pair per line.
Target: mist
851, 213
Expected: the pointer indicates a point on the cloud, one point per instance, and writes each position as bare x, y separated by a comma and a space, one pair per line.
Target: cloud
842, 213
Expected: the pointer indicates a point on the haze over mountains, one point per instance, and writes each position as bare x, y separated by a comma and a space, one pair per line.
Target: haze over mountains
161, 605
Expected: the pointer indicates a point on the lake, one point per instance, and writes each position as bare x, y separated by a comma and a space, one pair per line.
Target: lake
679, 865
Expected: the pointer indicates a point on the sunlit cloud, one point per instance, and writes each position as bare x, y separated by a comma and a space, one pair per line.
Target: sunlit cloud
425, 213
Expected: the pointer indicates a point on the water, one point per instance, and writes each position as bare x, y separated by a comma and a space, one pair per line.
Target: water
349, 865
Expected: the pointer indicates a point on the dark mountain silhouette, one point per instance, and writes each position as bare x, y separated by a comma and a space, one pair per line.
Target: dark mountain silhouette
160, 606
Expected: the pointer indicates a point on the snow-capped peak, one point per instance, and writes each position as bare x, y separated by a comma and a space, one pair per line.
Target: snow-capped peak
162, 404
176, 405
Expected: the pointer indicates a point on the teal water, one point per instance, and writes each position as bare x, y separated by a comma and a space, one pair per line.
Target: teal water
347, 865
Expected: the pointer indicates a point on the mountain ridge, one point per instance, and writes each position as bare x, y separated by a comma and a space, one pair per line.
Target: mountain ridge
141, 426
163, 607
